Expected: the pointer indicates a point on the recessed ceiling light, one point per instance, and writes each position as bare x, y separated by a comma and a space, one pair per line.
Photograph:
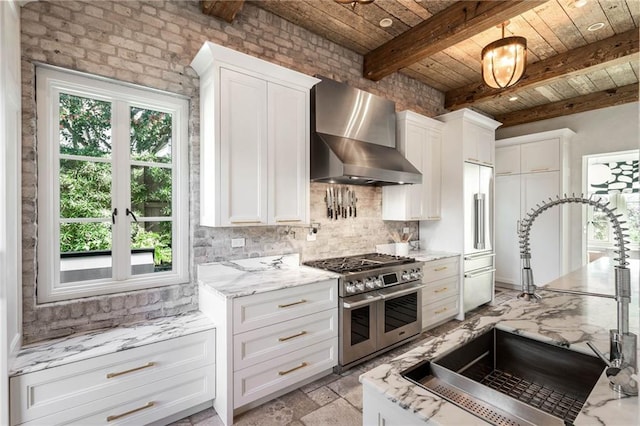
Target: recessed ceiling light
595, 27
513, 98
580, 3
386, 22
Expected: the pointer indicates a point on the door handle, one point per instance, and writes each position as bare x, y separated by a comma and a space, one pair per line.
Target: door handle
401, 292
479, 234
361, 303
478, 256
481, 272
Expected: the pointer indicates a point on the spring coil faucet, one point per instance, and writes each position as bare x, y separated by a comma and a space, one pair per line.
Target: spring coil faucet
622, 360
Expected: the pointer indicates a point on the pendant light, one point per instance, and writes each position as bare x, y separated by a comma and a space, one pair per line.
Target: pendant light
354, 2
504, 61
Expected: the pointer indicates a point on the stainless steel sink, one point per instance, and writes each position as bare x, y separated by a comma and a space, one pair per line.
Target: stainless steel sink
508, 379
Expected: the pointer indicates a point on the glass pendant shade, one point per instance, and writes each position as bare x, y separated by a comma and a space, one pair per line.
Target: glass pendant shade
504, 62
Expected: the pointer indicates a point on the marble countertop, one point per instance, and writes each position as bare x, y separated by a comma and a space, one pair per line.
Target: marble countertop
245, 277
430, 255
78, 347
562, 319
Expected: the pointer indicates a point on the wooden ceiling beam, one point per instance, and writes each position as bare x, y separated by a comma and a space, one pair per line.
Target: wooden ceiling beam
596, 100
223, 9
544, 71
458, 22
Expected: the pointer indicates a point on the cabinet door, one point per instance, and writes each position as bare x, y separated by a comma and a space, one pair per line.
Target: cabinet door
431, 175
479, 144
545, 234
288, 155
508, 160
414, 150
541, 156
243, 149
507, 214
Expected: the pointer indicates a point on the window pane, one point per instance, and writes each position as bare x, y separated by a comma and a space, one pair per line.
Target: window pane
150, 135
151, 247
85, 126
85, 189
85, 251
150, 191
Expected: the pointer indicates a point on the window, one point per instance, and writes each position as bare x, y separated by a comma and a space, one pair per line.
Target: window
112, 186
613, 177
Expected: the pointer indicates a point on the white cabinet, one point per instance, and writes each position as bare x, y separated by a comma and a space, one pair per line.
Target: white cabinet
543, 173
440, 296
135, 386
270, 343
254, 140
466, 197
478, 144
419, 140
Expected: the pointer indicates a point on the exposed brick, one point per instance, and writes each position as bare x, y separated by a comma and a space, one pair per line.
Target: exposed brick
152, 43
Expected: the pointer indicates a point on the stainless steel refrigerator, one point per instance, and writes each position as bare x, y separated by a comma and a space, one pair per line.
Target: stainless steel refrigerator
478, 284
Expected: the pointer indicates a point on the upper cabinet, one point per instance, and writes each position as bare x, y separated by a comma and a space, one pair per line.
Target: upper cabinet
419, 139
254, 140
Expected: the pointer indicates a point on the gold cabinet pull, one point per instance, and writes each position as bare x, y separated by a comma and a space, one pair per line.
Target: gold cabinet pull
543, 169
288, 220
474, 159
135, 410
120, 373
440, 311
440, 290
293, 336
238, 222
433, 217
503, 173
282, 373
441, 268
292, 304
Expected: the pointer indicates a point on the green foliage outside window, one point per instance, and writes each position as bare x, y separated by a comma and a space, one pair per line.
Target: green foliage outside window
85, 185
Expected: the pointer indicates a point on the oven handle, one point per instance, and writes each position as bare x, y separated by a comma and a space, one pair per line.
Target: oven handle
413, 289
361, 303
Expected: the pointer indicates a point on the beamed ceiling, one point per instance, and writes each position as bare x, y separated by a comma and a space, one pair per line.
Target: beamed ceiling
569, 68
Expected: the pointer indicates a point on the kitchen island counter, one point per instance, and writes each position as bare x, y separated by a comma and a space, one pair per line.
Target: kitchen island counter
244, 277
561, 319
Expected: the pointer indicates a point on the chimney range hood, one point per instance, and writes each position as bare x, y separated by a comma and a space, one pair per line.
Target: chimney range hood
353, 138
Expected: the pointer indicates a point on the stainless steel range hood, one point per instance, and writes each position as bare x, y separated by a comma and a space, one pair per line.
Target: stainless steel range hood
353, 138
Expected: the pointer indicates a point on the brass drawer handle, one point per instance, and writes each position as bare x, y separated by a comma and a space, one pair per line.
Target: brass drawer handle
474, 159
441, 268
415, 218
543, 169
282, 373
440, 290
234, 222
288, 220
135, 410
503, 173
120, 373
433, 217
440, 311
294, 303
284, 339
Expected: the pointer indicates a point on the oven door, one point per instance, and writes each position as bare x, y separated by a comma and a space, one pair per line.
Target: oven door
359, 327
399, 313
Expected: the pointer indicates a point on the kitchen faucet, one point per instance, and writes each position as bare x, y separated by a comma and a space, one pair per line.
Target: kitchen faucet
623, 345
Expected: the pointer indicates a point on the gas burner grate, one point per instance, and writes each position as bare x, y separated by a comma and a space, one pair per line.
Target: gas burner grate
359, 263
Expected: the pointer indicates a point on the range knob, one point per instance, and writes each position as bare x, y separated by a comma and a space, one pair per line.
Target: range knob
406, 275
350, 288
360, 285
415, 274
378, 282
370, 284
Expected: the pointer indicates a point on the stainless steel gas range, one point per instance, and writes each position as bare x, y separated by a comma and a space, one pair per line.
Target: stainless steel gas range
379, 303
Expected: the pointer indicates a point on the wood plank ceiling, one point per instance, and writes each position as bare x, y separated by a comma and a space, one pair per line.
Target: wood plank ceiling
570, 68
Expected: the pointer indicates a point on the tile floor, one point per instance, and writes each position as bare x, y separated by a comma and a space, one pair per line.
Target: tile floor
335, 399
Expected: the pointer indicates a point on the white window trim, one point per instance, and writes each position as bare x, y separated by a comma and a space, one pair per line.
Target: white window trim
49, 82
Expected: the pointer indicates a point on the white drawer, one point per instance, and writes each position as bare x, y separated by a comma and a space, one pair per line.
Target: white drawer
440, 289
260, 310
439, 269
436, 312
263, 379
144, 404
58, 389
259, 345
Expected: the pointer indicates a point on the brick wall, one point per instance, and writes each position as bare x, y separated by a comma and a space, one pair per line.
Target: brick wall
152, 43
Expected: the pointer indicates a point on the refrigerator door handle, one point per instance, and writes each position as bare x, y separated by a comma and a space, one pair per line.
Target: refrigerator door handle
479, 234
